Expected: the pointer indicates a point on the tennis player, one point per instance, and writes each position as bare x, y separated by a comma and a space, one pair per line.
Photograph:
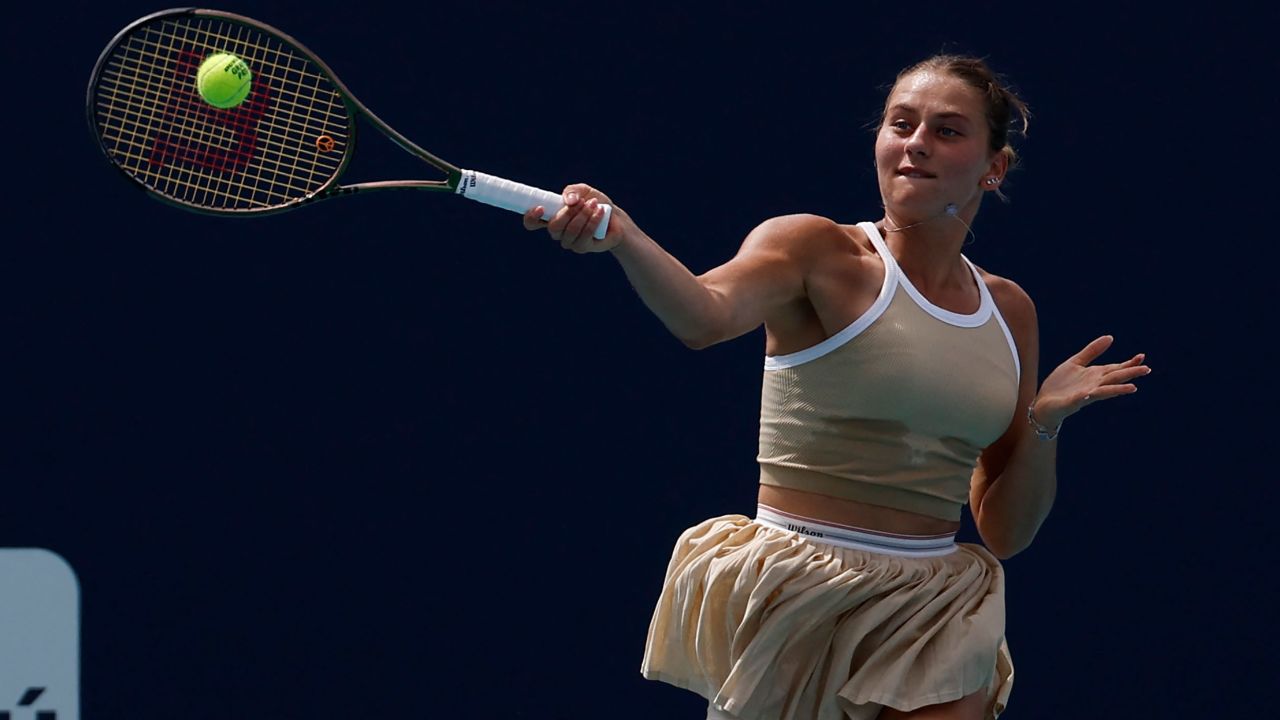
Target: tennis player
900, 382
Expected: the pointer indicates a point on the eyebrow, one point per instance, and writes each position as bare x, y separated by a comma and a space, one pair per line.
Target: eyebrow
948, 115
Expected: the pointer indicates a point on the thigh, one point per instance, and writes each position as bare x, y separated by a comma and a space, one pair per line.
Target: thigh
970, 707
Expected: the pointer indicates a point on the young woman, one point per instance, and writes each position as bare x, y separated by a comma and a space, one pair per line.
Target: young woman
900, 383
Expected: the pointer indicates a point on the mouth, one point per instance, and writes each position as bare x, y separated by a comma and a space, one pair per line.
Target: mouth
914, 172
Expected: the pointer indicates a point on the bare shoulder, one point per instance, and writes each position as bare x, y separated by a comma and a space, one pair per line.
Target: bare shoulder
1013, 302
803, 223
798, 234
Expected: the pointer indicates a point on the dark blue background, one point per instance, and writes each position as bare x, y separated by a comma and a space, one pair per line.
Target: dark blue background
392, 456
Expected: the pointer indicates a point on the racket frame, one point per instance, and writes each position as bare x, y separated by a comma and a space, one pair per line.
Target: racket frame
355, 110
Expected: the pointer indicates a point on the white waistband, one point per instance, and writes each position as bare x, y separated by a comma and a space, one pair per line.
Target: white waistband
857, 538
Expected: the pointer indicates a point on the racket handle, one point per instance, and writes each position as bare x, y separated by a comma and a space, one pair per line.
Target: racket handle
516, 197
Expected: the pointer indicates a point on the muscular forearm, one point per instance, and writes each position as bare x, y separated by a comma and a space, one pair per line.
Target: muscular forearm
1018, 501
670, 290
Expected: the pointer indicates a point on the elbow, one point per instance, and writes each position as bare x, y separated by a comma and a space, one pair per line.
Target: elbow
710, 333
700, 342
1003, 553
707, 329
1006, 536
1005, 548
1002, 545
709, 321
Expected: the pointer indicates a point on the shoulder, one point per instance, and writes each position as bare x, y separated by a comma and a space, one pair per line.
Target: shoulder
1015, 305
798, 222
1013, 302
804, 234
795, 228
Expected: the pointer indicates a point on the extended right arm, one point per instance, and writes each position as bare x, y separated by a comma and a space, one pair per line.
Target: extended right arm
768, 272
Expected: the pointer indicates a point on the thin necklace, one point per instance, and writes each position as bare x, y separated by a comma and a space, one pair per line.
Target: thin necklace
950, 211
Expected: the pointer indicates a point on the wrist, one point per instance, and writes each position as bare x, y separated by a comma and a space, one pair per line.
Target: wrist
626, 245
1045, 425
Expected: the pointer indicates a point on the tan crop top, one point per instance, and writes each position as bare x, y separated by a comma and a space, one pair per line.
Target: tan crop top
894, 409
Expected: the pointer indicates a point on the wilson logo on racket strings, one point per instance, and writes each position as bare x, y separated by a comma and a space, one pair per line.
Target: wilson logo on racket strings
173, 142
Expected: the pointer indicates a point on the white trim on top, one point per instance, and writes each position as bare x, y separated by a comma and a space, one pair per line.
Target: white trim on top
1013, 346
850, 331
974, 319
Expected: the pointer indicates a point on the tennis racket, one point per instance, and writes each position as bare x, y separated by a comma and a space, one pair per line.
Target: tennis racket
287, 145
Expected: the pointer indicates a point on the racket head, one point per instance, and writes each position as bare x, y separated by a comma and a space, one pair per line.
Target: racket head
285, 145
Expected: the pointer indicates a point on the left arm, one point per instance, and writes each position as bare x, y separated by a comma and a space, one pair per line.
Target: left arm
1015, 481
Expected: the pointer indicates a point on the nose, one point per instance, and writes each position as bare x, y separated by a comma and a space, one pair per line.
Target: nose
917, 143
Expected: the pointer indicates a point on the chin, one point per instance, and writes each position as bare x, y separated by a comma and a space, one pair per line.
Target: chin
914, 210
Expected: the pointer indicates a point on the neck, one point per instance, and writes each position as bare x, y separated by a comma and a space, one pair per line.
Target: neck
929, 250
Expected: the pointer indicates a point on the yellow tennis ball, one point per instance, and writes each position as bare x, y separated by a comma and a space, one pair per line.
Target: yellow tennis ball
224, 80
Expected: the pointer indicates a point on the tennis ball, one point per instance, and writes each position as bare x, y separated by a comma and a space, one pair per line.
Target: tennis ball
223, 80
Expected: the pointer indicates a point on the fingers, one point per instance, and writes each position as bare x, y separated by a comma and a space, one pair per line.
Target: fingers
1132, 368
1098, 346
1117, 379
1135, 361
574, 225
579, 233
1093, 350
577, 217
577, 226
571, 196
1126, 372
582, 191
1106, 392
533, 218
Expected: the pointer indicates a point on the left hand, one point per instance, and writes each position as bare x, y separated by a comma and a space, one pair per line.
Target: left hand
1075, 383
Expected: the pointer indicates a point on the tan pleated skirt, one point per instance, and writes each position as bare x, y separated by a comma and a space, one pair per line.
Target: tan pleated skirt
768, 624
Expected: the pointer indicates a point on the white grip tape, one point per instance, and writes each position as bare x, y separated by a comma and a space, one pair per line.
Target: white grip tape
516, 197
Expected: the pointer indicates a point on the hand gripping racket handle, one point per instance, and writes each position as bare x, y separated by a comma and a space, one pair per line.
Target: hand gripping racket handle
519, 198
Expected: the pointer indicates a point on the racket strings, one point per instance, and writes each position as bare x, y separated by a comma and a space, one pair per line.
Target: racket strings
264, 153
247, 140
197, 145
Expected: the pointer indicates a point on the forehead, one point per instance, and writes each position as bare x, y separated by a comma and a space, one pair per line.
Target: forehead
932, 93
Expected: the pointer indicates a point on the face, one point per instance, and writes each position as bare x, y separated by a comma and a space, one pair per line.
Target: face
932, 148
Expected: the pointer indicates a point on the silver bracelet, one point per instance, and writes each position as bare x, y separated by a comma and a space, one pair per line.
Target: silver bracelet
1042, 432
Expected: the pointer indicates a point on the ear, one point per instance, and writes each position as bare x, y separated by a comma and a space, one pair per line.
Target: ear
994, 176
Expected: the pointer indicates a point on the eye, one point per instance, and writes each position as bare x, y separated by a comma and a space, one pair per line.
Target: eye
948, 132
900, 125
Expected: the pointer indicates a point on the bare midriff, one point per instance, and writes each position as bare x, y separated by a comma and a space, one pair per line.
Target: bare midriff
823, 508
